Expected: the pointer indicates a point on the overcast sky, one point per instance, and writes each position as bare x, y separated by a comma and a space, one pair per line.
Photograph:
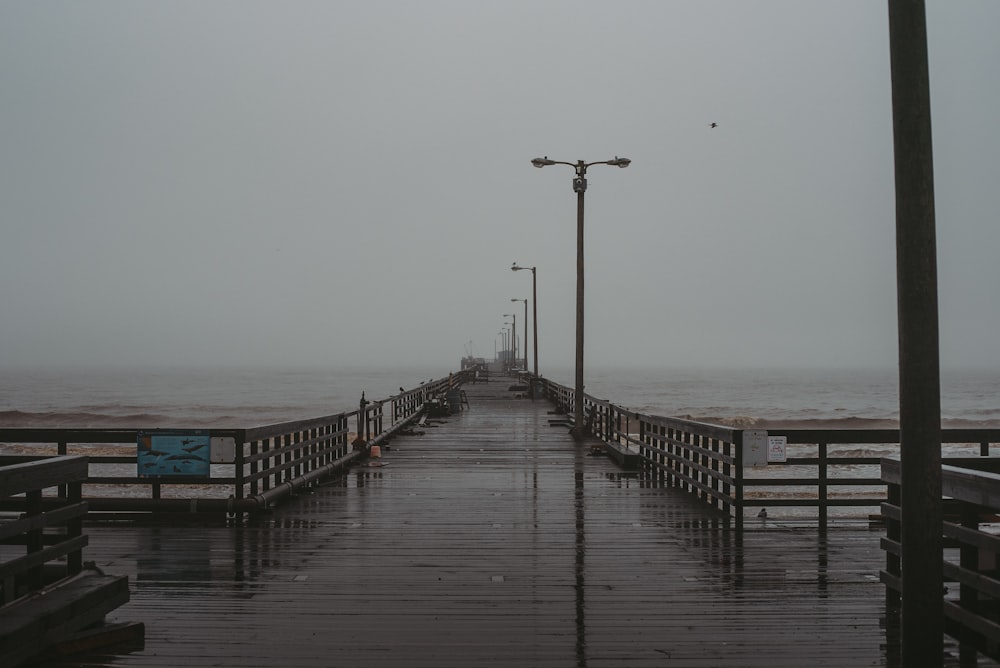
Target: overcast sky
330, 183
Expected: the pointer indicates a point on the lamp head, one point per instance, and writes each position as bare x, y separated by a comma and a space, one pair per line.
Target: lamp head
620, 162
542, 162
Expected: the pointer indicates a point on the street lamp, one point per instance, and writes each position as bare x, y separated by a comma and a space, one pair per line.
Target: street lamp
534, 311
513, 336
579, 187
524, 341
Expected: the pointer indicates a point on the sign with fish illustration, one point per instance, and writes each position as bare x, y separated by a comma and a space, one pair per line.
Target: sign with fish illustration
173, 453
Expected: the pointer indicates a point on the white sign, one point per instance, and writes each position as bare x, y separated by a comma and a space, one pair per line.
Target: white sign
754, 447
223, 450
776, 449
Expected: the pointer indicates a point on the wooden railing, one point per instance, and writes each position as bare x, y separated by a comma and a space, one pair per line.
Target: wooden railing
823, 469
47, 536
47, 593
971, 588
266, 463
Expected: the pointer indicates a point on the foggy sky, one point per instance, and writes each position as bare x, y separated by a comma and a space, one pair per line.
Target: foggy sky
348, 182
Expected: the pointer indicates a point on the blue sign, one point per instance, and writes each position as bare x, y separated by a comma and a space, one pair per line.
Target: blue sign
162, 454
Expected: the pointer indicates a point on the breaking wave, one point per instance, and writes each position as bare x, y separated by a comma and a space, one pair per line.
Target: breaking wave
88, 420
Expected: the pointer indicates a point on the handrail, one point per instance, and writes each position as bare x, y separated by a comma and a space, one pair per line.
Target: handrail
708, 460
704, 459
22, 483
970, 489
269, 462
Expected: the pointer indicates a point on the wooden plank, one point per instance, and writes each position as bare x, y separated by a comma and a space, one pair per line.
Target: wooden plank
94, 638
30, 625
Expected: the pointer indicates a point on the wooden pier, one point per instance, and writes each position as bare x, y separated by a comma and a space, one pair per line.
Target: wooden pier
489, 537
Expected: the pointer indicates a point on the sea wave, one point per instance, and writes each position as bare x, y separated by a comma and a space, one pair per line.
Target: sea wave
84, 420
99, 419
846, 422
752, 422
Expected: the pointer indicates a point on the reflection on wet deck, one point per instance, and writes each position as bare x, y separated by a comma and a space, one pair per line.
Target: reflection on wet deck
493, 539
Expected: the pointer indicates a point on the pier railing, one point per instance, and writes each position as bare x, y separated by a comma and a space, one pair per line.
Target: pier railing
971, 587
46, 592
822, 469
47, 537
250, 469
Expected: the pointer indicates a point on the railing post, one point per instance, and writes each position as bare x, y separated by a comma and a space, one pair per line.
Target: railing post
33, 538
822, 484
727, 468
362, 417
267, 463
74, 529
643, 457
240, 466
892, 561
714, 481
664, 435
61, 451
298, 438
968, 597
738, 501
254, 467
703, 476
343, 427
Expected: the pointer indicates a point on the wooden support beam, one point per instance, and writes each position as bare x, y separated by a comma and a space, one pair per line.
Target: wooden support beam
919, 369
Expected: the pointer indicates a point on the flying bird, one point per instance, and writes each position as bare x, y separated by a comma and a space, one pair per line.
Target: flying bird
713, 125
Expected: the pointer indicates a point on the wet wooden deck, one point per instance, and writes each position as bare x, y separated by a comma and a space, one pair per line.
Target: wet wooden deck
492, 539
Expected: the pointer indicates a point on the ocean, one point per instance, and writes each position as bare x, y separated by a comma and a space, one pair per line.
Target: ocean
237, 398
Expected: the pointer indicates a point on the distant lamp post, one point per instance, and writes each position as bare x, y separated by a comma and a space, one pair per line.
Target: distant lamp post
524, 341
513, 336
579, 187
534, 313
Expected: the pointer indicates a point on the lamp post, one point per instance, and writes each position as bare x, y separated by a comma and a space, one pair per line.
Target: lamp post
534, 314
524, 341
579, 187
513, 336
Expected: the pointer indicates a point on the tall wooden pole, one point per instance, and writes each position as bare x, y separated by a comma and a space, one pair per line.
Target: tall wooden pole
580, 185
534, 319
919, 366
